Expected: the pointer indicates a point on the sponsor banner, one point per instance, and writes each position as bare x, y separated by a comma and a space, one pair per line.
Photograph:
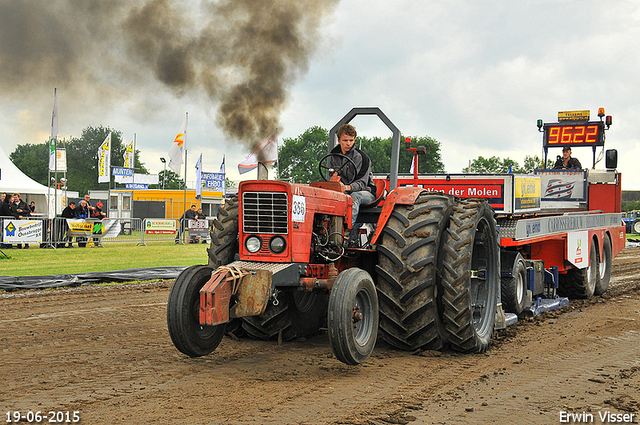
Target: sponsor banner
22, 231
137, 186
199, 228
561, 185
92, 228
159, 227
527, 191
554, 225
122, 171
578, 249
214, 181
491, 189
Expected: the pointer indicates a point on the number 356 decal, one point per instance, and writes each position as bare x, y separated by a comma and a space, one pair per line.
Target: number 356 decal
298, 208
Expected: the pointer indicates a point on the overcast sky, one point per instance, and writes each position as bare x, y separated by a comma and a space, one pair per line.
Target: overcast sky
473, 75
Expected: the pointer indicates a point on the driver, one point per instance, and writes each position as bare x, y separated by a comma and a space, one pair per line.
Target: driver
362, 189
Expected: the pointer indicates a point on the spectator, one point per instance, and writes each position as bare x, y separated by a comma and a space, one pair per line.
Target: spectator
8, 209
97, 214
32, 207
189, 214
82, 212
90, 207
21, 207
68, 212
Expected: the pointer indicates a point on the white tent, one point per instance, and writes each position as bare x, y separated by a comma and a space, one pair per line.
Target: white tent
12, 180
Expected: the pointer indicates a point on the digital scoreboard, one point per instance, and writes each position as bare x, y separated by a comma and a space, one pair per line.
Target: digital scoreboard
574, 134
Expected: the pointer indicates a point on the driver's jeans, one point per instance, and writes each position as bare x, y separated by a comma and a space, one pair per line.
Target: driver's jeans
363, 197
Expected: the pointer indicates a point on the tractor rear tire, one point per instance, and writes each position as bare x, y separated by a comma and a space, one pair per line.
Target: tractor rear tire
514, 283
604, 268
470, 275
298, 314
183, 314
407, 273
636, 226
224, 236
581, 283
353, 316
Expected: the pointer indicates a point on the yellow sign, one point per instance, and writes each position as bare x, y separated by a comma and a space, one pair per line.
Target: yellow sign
574, 115
527, 191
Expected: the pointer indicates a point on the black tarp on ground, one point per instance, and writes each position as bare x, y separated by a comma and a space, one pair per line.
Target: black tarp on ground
9, 283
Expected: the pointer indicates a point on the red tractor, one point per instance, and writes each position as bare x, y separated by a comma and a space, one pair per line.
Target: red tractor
425, 274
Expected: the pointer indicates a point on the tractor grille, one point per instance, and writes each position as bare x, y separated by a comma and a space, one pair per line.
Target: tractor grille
264, 212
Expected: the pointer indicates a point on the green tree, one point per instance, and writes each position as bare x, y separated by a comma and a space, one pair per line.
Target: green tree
298, 157
33, 160
173, 180
82, 159
493, 165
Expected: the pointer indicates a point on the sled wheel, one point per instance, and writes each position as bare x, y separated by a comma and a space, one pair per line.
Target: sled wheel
353, 316
581, 283
470, 275
407, 273
183, 311
296, 314
604, 268
514, 286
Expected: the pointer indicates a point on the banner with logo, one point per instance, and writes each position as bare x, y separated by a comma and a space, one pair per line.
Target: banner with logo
159, 227
93, 228
22, 231
199, 228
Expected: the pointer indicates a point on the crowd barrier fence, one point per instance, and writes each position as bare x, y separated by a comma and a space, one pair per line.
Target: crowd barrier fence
59, 232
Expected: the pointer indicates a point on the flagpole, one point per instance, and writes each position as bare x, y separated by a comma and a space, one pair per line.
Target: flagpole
186, 124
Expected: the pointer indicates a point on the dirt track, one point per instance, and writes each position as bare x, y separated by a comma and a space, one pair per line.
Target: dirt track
106, 353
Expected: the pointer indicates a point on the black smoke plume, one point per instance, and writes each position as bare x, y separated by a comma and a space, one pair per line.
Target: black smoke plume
242, 56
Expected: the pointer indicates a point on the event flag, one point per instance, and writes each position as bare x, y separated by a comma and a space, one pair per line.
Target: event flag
199, 177
54, 132
222, 165
129, 154
177, 148
104, 161
266, 152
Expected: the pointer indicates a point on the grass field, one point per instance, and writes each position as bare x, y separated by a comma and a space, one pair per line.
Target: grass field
115, 256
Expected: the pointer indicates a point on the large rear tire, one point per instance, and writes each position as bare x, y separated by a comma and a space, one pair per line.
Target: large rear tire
470, 275
581, 283
296, 315
513, 283
407, 273
604, 268
224, 236
636, 226
353, 316
183, 314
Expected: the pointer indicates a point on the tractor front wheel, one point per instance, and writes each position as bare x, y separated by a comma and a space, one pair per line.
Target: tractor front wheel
353, 316
183, 314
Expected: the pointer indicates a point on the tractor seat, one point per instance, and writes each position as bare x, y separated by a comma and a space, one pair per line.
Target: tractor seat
381, 191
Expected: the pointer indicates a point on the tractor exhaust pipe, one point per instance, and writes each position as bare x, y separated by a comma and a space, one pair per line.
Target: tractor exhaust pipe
263, 173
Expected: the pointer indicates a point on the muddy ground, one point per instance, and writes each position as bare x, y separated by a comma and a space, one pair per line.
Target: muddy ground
105, 352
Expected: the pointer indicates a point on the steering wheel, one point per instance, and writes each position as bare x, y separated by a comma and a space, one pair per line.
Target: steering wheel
325, 169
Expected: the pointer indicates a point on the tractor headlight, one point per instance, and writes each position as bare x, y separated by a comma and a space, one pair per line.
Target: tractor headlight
277, 244
253, 244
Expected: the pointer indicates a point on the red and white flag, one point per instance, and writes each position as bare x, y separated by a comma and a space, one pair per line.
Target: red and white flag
266, 152
177, 148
